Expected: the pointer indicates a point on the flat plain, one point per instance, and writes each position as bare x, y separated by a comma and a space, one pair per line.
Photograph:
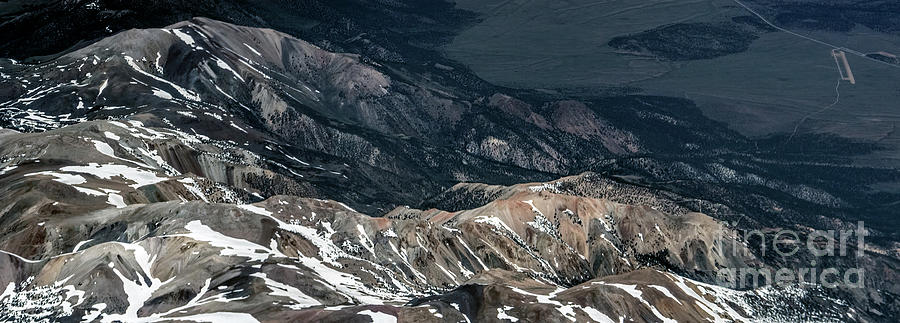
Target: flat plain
780, 83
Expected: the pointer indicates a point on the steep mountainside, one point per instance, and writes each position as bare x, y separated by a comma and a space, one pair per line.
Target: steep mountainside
120, 234
378, 135
115, 231
206, 171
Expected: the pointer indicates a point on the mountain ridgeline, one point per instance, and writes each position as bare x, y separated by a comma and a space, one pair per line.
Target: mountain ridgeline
211, 171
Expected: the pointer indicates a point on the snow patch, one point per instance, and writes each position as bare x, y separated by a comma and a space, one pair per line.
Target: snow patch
379, 317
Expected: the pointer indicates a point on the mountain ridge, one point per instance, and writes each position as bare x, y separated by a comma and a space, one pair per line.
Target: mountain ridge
222, 181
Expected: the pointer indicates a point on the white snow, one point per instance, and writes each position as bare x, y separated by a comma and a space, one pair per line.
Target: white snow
709, 307
636, 293
192, 187
159, 67
533, 208
566, 310
344, 283
541, 223
187, 94
224, 66
62, 178
187, 114
347, 207
138, 176
296, 160
81, 243
494, 221
472, 252
405, 257
389, 233
104, 148
92, 315
137, 292
666, 292
253, 50
102, 87
447, 273
501, 314
596, 315
255, 209
230, 246
162, 94
20, 257
435, 313
7, 169
237, 127
218, 317
364, 239
379, 317
218, 117
347, 284
300, 299
114, 199
38, 303
187, 39
552, 187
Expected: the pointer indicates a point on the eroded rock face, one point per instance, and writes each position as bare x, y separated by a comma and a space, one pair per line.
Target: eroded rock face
379, 134
194, 172
296, 258
107, 233
260, 87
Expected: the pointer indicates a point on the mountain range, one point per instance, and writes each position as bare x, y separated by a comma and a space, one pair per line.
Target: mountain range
325, 161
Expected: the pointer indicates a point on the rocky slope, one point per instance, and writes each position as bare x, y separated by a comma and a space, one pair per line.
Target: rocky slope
128, 237
208, 171
102, 226
355, 128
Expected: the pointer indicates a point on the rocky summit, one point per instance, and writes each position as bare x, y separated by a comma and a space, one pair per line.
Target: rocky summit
319, 161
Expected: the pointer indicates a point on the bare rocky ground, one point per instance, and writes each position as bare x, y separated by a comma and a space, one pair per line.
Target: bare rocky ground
209, 171
125, 237
100, 226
